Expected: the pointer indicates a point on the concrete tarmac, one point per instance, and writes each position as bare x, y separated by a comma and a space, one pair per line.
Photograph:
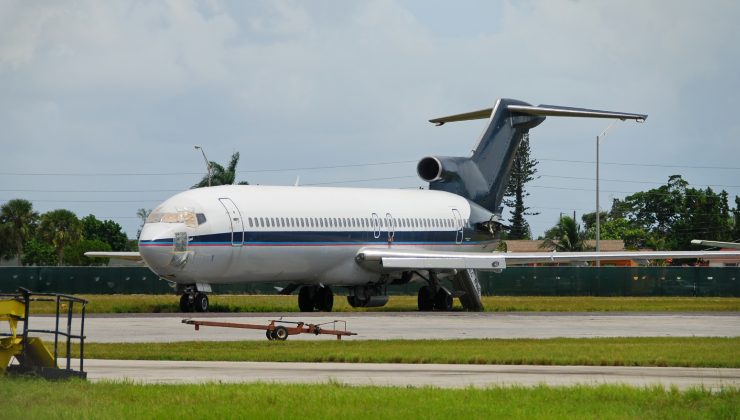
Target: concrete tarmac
383, 326
416, 375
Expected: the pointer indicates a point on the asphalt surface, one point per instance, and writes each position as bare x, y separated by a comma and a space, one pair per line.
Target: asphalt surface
416, 375
383, 326
113, 328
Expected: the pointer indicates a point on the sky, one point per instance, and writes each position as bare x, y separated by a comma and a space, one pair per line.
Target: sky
101, 102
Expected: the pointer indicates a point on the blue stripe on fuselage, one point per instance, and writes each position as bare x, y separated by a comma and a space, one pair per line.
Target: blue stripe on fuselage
317, 238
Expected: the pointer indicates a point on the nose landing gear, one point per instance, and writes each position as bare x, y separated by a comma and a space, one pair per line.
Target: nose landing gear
194, 301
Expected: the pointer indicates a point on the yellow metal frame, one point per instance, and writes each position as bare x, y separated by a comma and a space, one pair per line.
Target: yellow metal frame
37, 354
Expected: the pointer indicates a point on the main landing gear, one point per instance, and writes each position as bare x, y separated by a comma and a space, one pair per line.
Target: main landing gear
434, 297
319, 298
193, 301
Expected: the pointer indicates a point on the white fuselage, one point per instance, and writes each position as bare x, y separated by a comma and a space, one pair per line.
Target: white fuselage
307, 235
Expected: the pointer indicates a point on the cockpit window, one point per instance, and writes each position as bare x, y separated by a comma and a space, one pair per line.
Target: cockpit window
201, 218
184, 216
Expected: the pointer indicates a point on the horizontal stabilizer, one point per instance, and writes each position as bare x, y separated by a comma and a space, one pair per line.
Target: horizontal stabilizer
131, 256
544, 111
564, 111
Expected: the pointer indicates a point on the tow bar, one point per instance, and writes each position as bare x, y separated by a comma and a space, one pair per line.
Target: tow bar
280, 332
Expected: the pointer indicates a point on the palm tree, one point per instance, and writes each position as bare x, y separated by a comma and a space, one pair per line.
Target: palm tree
19, 220
566, 236
221, 175
61, 228
142, 214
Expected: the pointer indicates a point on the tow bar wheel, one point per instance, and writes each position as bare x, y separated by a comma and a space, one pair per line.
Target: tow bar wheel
280, 333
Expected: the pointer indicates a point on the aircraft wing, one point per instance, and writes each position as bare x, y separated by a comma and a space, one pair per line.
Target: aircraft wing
393, 260
718, 244
131, 256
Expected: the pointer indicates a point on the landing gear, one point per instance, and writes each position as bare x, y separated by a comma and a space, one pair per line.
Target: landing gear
442, 300
193, 300
426, 299
319, 298
201, 302
185, 304
434, 297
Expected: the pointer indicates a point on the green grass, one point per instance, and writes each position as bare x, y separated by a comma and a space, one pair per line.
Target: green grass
25, 398
275, 303
662, 351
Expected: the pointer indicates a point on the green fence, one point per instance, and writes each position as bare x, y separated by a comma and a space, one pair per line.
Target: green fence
543, 281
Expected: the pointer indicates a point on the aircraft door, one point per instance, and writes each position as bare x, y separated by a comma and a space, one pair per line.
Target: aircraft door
235, 220
391, 227
459, 225
375, 220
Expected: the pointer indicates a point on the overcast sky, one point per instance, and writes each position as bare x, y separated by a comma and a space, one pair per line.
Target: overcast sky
101, 102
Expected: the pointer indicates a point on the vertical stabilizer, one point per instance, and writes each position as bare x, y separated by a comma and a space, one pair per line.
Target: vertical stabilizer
482, 177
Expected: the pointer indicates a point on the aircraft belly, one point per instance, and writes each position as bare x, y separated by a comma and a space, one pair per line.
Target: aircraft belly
252, 264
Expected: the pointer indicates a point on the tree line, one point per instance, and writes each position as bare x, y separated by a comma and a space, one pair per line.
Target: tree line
57, 237
663, 218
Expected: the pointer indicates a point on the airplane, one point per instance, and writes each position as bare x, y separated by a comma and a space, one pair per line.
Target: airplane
313, 239
716, 244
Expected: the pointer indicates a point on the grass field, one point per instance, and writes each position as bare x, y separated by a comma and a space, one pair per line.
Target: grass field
24, 398
275, 303
663, 351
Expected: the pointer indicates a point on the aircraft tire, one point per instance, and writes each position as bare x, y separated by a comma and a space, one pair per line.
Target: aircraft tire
324, 299
442, 300
201, 302
185, 303
280, 333
426, 299
306, 299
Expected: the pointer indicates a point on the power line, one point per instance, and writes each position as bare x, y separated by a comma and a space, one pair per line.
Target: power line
635, 182
307, 168
312, 168
641, 164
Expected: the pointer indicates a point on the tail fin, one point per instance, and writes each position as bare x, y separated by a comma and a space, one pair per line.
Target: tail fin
483, 177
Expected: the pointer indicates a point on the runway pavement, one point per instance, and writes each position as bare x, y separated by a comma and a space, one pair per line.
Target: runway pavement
443, 376
382, 326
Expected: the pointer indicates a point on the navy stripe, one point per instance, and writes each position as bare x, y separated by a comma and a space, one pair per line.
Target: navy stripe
267, 237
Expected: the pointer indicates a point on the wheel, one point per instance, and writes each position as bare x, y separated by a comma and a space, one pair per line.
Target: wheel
306, 299
268, 333
442, 300
280, 333
185, 305
201, 302
356, 302
324, 299
426, 299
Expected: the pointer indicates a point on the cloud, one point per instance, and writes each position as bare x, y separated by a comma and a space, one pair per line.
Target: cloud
132, 86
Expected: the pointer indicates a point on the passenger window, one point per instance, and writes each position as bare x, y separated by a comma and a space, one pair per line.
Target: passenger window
262, 222
250, 222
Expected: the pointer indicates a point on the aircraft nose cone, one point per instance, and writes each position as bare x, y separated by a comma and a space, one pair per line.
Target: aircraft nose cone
156, 246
